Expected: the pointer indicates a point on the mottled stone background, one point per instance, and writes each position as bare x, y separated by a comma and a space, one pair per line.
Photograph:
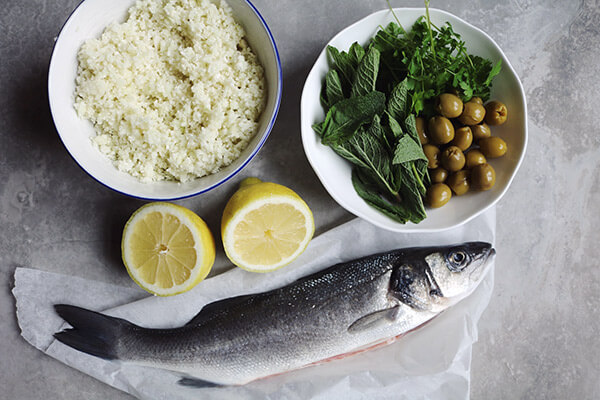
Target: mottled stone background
539, 336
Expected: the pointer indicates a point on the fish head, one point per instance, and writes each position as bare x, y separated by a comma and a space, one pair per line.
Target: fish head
457, 270
431, 277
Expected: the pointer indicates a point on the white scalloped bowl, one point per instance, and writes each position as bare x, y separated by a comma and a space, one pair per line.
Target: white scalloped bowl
89, 20
335, 172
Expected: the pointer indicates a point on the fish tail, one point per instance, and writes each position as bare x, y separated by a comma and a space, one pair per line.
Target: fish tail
92, 333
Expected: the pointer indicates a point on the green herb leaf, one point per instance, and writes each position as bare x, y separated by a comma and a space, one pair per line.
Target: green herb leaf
366, 74
356, 53
389, 38
410, 127
376, 130
407, 150
411, 193
395, 211
333, 88
346, 64
347, 151
346, 116
495, 71
423, 174
321, 127
318, 127
398, 102
395, 127
343, 65
372, 154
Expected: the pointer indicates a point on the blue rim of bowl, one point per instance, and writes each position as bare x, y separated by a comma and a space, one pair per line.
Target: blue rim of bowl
228, 177
415, 228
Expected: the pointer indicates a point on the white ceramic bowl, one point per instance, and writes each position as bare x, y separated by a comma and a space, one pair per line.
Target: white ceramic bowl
335, 172
89, 20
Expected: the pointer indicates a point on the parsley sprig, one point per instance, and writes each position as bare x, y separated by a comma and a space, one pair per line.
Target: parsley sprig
434, 61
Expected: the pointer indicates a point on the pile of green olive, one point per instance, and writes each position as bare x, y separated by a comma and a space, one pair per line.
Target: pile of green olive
457, 143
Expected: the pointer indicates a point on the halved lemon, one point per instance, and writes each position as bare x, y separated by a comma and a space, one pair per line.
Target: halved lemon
167, 249
265, 226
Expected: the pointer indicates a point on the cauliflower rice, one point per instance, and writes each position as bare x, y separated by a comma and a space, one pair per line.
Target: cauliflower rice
174, 93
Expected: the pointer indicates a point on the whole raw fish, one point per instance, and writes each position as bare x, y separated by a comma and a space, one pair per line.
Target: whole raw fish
341, 310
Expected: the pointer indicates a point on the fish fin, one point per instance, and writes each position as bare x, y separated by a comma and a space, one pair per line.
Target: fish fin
197, 383
215, 308
374, 319
92, 333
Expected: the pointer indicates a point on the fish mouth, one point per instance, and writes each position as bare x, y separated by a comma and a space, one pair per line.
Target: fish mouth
486, 253
482, 254
480, 251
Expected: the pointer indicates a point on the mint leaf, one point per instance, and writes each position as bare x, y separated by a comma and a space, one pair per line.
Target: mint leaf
333, 88
321, 127
410, 192
368, 193
370, 151
376, 130
356, 53
366, 74
395, 127
348, 115
407, 150
410, 127
398, 101
346, 64
365, 150
318, 127
342, 64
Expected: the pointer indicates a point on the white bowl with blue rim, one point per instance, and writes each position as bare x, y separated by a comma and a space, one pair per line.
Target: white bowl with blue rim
89, 20
335, 172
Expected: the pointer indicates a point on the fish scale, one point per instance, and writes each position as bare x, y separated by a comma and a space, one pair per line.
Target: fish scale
326, 315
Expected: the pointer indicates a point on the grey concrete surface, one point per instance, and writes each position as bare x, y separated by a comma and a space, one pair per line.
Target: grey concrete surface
538, 338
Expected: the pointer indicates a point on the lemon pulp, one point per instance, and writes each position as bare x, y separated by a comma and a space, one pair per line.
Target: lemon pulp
167, 249
265, 226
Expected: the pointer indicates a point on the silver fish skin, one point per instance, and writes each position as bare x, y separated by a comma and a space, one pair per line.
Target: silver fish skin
340, 310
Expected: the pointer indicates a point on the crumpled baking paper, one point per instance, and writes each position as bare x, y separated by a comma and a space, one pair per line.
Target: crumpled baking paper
430, 363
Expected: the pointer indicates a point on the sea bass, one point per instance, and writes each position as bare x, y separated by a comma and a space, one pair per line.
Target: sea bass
342, 310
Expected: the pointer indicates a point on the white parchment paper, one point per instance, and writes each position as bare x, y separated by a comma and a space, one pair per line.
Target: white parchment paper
430, 363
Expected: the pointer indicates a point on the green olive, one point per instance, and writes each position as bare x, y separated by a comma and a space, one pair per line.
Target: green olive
476, 100
438, 175
474, 157
472, 114
483, 177
433, 155
463, 138
495, 113
481, 131
449, 105
440, 129
492, 147
453, 159
437, 195
459, 182
420, 122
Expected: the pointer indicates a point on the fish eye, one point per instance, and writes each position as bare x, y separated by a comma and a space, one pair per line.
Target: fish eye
457, 260
458, 257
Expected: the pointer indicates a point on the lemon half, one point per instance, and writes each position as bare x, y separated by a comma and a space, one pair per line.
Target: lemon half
265, 226
167, 249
